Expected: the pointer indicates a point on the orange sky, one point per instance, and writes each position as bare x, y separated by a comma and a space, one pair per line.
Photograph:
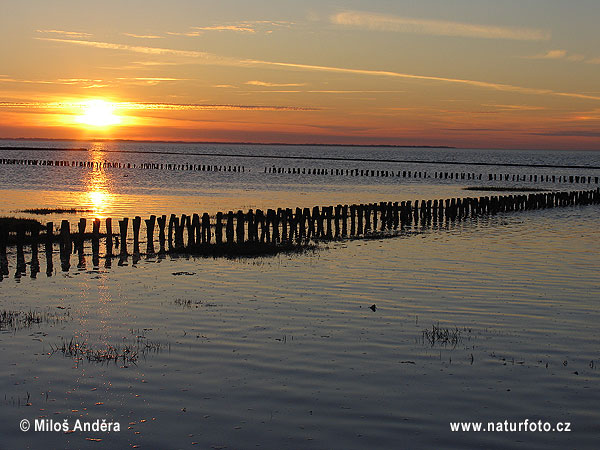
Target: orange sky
461, 73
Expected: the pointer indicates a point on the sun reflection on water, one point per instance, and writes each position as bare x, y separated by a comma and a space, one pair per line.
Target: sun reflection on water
98, 196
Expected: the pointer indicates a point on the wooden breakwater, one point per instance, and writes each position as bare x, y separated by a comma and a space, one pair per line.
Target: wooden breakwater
440, 175
259, 232
105, 165
320, 171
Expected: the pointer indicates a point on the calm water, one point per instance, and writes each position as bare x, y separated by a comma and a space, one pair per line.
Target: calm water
285, 352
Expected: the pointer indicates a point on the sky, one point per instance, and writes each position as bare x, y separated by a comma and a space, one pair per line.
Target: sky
465, 73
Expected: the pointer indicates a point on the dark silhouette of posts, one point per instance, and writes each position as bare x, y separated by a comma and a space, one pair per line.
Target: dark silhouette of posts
162, 222
172, 220
109, 238
344, 220
219, 228
96, 243
206, 232
123, 231
239, 229
65, 245
229, 233
150, 224
48, 248
21, 266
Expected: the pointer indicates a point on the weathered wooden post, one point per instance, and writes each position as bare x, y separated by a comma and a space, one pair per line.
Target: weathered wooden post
80, 236
123, 231
337, 218
396, 215
162, 222
48, 248
301, 219
344, 220
137, 221
206, 231
359, 213
172, 219
180, 225
374, 209
96, 242
275, 224
240, 229
329, 217
150, 224
219, 228
264, 228
352, 220
250, 220
109, 238
196, 230
229, 230
65, 245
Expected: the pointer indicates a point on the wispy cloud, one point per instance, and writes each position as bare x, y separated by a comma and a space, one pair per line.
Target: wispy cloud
209, 58
143, 36
515, 108
71, 34
558, 54
130, 48
84, 82
386, 22
268, 84
239, 28
140, 106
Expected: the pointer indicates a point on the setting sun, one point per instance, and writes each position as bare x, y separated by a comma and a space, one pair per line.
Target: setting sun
98, 113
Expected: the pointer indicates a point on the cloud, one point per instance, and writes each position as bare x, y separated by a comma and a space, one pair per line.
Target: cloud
139, 106
558, 54
243, 28
569, 133
132, 48
85, 82
385, 22
143, 36
515, 107
593, 61
72, 34
209, 58
268, 84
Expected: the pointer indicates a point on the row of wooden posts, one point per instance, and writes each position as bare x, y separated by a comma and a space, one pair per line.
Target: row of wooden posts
196, 233
573, 179
97, 165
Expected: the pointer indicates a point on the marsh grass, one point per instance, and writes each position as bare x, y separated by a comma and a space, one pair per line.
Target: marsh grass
18, 320
131, 352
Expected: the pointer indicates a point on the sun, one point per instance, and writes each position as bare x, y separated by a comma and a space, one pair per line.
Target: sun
98, 113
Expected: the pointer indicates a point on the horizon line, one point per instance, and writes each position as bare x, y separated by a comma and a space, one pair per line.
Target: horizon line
291, 144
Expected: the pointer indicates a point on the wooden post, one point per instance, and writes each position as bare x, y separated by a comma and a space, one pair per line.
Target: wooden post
123, 230
240, 229
352, 220
374, 209
337, 218
150, 224
137, 221
172, 221
162, 222
96, 242
250, 220
219, 228
261, 220
81, 235
196, 229
229, 233
48, 244
344, 220
35, 262
206, 232
329, 216
359, 211
275, 224
302, 223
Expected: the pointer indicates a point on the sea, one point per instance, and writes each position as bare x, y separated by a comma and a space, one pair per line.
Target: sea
388, 342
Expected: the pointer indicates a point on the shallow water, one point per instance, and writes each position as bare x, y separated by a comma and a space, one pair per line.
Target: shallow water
284, 352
